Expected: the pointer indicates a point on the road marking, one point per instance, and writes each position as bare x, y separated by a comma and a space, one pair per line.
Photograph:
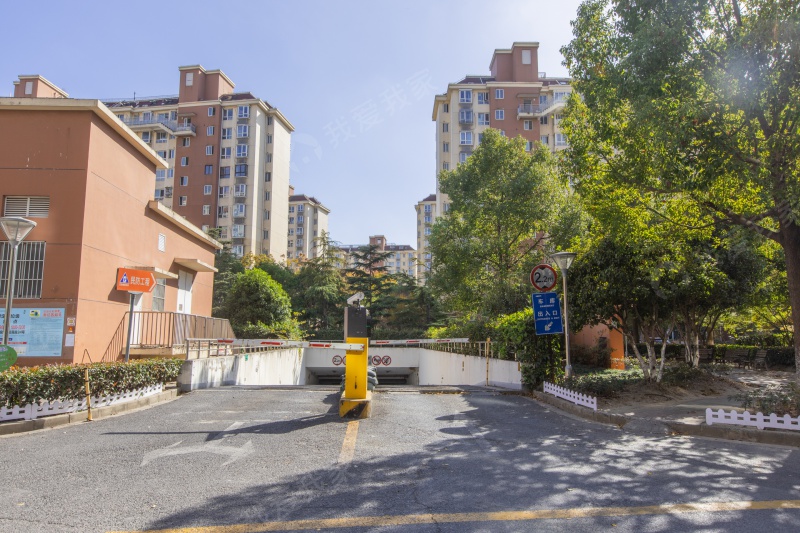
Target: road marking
502, 516
349, 444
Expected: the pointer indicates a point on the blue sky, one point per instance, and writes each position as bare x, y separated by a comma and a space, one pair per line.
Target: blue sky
356, 78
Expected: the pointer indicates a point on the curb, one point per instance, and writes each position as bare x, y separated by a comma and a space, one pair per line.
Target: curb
722, 431
23, 426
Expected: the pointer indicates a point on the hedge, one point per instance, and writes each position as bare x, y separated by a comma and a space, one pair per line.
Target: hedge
21, 386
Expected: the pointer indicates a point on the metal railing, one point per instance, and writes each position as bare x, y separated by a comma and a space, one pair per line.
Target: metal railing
156, 329
540, 109
171, 125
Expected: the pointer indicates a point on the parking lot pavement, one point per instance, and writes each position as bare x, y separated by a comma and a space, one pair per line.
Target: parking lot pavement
239, 459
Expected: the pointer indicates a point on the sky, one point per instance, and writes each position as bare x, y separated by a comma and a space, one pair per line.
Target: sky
357, 79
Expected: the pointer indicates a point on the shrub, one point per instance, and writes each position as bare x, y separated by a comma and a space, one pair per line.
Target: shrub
781, 400
605, 384
21, 386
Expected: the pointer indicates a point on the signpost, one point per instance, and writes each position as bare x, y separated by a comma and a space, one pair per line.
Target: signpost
135, 282
8, 356
543, 277
547, 313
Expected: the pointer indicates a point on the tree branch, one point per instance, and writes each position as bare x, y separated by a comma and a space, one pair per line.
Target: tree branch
747, 222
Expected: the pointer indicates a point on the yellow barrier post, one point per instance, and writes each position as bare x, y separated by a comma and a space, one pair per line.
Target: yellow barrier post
356, 400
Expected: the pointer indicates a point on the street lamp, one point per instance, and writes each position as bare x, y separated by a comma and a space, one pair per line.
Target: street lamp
16, 229
564, 261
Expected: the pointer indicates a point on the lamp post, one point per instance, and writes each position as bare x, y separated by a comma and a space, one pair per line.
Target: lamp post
16, 229
564, 261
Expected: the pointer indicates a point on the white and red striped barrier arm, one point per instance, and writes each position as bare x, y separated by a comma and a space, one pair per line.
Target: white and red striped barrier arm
406, 342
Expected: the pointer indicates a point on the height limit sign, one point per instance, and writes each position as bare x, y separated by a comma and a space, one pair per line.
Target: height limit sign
543, 278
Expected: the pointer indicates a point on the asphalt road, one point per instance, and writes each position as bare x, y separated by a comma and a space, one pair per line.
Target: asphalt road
241, 460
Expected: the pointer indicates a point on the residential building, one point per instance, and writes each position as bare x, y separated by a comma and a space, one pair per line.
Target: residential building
515, 98
426, 215
227, 155
308, 220
402, 258
86, 179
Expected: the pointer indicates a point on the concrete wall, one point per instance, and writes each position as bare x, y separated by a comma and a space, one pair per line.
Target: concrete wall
441, 368
277, 367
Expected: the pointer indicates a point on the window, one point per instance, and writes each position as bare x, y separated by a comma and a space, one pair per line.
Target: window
480, 138
428, 208
499, 94
224, 191
186, 141
483, 119
238, 250
445, 108
266, 214
225, 153
300, 209
561, 139
161, 136
427, 231
182, 200
299, 242
291, 209
543, 120
227, 114
210, 149
227, 133
466, 138
241, 171
557, 118
240, 190
265, 235
223, 231
445, 166
159, 194
465, 96
161, 174
239, 210
224, 172
241, 150
209, 131
222, 212
528, 146
526, 57
185, 161
184, 181
206, 191
269, 138
301, 219
527, 124
30, 268
244, 111
544, 139
268, 197
207, 209
465, 116
242, 131
499, 114
427, 219
542, 99
147, 116
168, 192
445, 127
269, 121
159, 294
212, 111
267, 176
445, 147
146, 136
269, 157
237, 231
189, 79
462, 158
291, 232
171, 154
560, 96
208, 170
162, 154
483, 98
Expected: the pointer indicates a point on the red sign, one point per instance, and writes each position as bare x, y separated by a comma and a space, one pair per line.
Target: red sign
543, 277
132, 280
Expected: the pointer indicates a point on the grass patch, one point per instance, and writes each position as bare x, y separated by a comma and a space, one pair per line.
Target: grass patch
607, 383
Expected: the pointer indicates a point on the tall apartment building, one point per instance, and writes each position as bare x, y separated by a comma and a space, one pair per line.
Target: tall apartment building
308, 219
426, 215
228, 156
402, 258
515, 98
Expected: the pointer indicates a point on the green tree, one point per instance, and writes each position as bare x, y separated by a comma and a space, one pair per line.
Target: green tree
369, 275
695, 98
257, 301
228, 266
411, 309
504, 201
319, 293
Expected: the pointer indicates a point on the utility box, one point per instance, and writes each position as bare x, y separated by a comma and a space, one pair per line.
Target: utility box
355, 322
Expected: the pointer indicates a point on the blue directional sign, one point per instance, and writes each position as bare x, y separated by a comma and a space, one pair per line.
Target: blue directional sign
547, 312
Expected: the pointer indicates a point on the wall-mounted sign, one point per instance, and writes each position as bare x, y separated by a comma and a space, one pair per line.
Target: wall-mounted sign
35, 331
132, 280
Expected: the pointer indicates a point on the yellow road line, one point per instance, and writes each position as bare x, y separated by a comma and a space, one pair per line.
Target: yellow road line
502, 516
349, 444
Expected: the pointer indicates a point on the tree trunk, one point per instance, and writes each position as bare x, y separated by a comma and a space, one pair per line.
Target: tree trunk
790, 240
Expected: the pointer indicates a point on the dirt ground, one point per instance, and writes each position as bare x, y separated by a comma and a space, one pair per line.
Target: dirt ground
655, 393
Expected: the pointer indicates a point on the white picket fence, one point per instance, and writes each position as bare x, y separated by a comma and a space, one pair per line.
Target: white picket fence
571, 396
748, 419
33, 411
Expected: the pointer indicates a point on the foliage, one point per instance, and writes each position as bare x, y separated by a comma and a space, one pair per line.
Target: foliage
319, 293
24, 385
503, 201
696, 100
410, 308
256, 299
611, 383
228, 266
285, 329
781, 400
369, 275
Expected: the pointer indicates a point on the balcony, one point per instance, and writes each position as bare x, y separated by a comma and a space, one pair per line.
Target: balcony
173, 127
537, 110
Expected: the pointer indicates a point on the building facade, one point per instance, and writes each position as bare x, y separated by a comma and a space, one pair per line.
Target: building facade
515, 98
401, 258
308, 220
426, 215
227, 154
86, 179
